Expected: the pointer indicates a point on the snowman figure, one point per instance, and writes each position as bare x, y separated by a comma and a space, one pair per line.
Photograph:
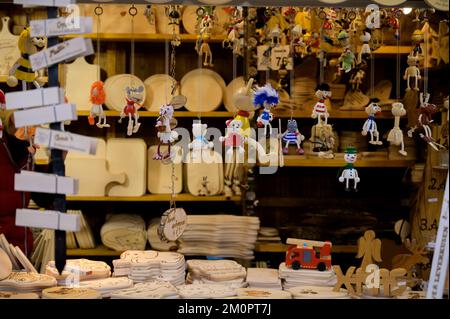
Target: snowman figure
349, 172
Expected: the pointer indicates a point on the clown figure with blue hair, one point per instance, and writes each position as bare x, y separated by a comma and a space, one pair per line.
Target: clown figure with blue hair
265, 97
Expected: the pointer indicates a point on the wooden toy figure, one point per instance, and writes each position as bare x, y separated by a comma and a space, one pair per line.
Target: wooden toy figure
205, 27
199, 142
369, 249
370, 126
165, 134
134, 100
395, 136
265, 97
426, 112
365, 51
233, 138
320, 109
346, 60
357, 77
412, 72
417, 38
21, 70
293, 136
97, 98
349, 172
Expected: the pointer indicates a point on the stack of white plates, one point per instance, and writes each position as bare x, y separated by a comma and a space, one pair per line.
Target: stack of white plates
115, 90
123, 232
206, 291
154, 289
142, 266
262, 293
263, 278
220, 235
26, 282
79, 270
306, 277
224, 272
318, 292
107, 286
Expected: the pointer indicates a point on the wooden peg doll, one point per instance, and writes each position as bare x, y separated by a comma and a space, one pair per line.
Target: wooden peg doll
165, 134
265, 97
370, 126
358, 76
134, 100
349, 172
202, 47
320, 109
412, 72
293, 136
97, 98
395, 136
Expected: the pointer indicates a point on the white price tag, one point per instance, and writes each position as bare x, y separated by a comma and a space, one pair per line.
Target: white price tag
64, 51
272, 58
45, 114
48, 3
65, 141
60, 26
33, 98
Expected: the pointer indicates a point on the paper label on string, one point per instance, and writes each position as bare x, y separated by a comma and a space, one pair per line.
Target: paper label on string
65, 141
61, 26
48, 219
272, 58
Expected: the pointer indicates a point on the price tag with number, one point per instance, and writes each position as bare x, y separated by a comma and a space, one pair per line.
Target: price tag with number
272, 58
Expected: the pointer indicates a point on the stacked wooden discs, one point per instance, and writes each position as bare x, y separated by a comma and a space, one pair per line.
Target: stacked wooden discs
79, 270
106, 286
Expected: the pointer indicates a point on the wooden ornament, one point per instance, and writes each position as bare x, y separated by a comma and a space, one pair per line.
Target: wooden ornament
408, 261
369, 248
9, 51
5, 265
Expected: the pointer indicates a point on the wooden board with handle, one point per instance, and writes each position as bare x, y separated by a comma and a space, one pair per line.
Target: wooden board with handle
9, 51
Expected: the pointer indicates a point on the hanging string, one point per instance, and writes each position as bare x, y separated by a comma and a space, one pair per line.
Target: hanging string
398, 75
321, 52
132, 11
425, 67
98, 12
372, 74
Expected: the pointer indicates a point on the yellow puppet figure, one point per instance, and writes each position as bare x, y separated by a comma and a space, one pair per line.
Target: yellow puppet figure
21, 70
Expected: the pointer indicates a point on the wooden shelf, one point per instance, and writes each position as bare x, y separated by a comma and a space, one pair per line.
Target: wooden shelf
94, 252
176, 114
143, 37
383, 50
338, 161
3, 78
282, 248
183, 197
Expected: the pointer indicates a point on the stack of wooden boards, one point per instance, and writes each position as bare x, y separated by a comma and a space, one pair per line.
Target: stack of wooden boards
124, 232
77, 270
223, 272
263, 278
12, 258
154, 289
220, 235
305, 277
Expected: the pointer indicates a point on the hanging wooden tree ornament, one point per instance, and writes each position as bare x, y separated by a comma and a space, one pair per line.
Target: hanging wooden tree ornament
97, 93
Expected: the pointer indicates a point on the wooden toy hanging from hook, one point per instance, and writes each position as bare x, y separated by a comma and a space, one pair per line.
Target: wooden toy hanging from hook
205, 26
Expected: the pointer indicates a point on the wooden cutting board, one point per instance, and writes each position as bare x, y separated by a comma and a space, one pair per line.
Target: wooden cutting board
129, 156
9, 52
79, 77
159, 177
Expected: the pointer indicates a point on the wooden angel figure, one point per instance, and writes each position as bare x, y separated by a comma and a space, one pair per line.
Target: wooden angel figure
21, 70
369, 249
349, 173
409, 261
97, 98
412, 72
165, 134
292, 136
265, 97
395, 136
365, 51
370, 126
426, 112
199, 142
134, 102
202, 47
320, 109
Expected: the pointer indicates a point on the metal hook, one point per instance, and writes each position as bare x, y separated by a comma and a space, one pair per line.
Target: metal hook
98, 10
132, 11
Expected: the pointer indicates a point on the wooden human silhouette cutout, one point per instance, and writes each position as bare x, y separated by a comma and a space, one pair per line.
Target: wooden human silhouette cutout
369, 249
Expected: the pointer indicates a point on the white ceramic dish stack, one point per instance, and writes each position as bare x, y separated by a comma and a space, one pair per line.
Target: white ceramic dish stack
223, 272
154, 289
263, 278
306, 277
123, 232
220, 235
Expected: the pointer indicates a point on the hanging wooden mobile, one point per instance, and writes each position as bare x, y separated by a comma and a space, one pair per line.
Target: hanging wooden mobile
134, 94
349, 173
97, 93
205, 25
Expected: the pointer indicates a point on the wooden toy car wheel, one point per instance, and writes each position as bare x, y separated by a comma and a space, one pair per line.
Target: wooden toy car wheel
321, 267
296, 265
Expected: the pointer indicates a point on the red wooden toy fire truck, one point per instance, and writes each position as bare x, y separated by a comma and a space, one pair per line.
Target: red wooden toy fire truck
308, 254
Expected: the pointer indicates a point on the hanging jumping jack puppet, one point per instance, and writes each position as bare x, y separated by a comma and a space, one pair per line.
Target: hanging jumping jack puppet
395, 136
134, 102
412, 72
21, 70
347, 58
164, 125
293, 136
265, 97
205, 26
235, 37
426, 112
370, 126
320, 109
349, 172
199, 142
417, 39
97, 98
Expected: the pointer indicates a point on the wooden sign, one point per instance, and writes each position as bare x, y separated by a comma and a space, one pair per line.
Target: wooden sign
60, 26
173, 224
47, 219
64, 51
27, 181
48, 3
33, 98
45, 114
65, 141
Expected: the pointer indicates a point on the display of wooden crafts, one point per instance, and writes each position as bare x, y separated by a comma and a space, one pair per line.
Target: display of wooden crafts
199, 141
205, 26
365, 50
412, 72
134, 102
349, 172
308, 254
395, 136
417, 39
97, 98
235, 37
323, 140
370, 126
293, 136
409, 261
165, 134
369, 249
265, 98
320, 108
21, 70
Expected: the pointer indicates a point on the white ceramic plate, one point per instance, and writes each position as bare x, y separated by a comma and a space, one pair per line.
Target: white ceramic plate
115, 90
158, 88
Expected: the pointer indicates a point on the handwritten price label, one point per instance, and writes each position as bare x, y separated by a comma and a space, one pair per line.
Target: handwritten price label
273, 58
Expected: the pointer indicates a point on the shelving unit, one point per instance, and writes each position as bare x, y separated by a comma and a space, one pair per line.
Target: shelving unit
338, 161
144, 37
183, 197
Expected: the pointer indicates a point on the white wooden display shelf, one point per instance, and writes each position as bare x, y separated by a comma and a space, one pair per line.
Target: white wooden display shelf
183, 197
144, 37
282, 248
338, 161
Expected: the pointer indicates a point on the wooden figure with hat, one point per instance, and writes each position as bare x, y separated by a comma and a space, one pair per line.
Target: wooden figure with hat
349, 172
320, 109
370, 126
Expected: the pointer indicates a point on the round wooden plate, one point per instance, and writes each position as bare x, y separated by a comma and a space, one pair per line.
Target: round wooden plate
389, 2
230, 90
189, 19
204, 90
158, 88
115, 90
215, 2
